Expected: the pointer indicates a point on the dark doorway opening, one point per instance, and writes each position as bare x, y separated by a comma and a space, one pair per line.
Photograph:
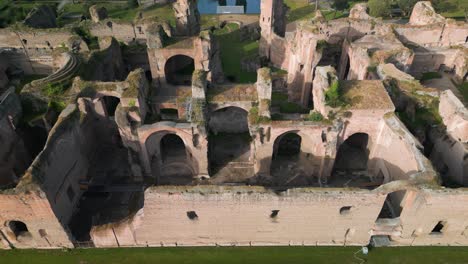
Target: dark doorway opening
179, 70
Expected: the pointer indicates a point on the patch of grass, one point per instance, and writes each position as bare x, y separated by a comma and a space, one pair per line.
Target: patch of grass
315, 116
233, 50
85, 34
330, 15
333, 95
53, 89
464, 91
299, 9
278, 98
245, 255
430, 75
159, 12
255, 118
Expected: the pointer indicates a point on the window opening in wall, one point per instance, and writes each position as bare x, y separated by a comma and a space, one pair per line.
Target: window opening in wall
192, 215
438, 229
70, 193
19, 228
345, 210
109, 24
25, 42
140, 30
42, 233
274, 213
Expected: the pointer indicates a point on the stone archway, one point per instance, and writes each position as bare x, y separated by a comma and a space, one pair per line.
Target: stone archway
230, 145
290, 165
179, 69
110, 104
169, 159
351, 167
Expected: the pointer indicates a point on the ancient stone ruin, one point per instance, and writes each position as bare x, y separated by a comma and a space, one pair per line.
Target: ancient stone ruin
134, 136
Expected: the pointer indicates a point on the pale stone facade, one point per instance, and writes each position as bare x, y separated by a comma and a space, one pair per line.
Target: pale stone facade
161, 157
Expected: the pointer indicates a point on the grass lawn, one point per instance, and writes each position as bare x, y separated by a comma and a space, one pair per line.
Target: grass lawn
244, 255
233, 50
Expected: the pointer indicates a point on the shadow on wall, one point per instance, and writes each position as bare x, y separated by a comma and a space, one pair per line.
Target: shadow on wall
179, 69
229, 145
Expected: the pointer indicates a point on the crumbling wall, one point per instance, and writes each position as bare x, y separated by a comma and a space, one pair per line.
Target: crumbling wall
431, 60
187, 17
63, 162
107, 63
427, 207
423, 13
124, 32
398, 152
14, 158
451, 147
36, 211
243, 216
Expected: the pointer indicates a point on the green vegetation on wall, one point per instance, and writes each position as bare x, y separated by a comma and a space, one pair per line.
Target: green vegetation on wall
333, 95
233, 50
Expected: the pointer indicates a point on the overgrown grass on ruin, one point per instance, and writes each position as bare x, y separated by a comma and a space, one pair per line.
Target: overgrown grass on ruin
333, 96
299, 9
463, 88
233, 50
430, 75
244, 255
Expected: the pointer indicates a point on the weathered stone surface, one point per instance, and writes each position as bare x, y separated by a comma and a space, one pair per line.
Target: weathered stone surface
424, 14
97, 13
187, 17
359, 11
389, 70
42, 16
454, 115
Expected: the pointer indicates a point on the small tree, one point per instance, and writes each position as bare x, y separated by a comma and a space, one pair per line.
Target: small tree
379, 8
406, 6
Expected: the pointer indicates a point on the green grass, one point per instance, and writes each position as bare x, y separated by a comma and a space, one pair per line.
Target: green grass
299, 9
244, 255
233, 50
430, 75
464, 91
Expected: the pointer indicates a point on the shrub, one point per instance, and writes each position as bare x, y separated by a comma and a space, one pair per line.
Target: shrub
379, 8
333, 95
315, 116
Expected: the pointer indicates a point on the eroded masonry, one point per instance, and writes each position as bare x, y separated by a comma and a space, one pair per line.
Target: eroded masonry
156, 146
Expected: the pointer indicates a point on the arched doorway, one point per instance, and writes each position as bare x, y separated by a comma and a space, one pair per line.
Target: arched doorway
110, 103
393, 205
179, 70
20, 230
170, 161
351, 163
289, 165
229, 145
